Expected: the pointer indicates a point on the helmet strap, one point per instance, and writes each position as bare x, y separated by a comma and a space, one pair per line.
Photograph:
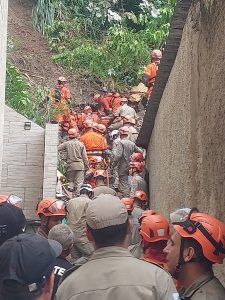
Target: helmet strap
181, 260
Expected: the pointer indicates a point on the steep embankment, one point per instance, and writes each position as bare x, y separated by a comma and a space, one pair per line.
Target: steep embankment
32, 56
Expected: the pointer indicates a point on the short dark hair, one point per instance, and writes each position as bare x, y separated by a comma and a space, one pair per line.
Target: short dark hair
86, 192
109, 236
199, 256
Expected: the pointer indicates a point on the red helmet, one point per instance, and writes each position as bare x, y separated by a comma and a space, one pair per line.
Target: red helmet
51, 207
96, 97
124, 130
154, 228
137, 157
100, 173
101, 128
88, 124
129, 203
136, 165
72, 132
140, 195
208, 231
3, 198
87, 109
157, 54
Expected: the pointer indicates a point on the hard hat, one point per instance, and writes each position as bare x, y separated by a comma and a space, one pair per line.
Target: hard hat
154, 228
96, 97
100, 173
61, 78
87, 109
101, 128
157, 54
114, 133
15, 200
129, 203
124, 99
208, 231
147, 213
136, 165
51, 207
3, 198
72, 132
93, 160
87, 187
137, 157
124, 130
129, 120
88, 124
140, 195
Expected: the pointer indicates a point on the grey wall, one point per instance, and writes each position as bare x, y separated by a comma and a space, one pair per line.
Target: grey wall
187, 148
3, 42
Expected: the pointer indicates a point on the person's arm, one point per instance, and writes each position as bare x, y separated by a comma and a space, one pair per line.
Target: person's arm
62, 147
85, 158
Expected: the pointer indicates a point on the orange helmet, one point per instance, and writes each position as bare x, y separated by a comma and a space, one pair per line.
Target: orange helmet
87, 109
140, 195
3, 198
157, 54
101, 128
137, 157
96, 97
147, 213
51, 207
154, 228
100, 173
136, 165
88, 124
94, 160
72, 132
129, 120
124, 130
129, 203
62, 79
208, 231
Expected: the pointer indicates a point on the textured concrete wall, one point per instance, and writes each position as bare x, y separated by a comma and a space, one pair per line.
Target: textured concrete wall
23, 160
3, 42
50, 162
187, 148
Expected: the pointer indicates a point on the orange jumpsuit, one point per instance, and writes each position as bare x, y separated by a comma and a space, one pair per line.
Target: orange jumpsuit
93, 141
151, 71
115, 103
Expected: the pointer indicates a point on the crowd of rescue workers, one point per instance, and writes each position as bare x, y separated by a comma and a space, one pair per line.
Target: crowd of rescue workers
100, 237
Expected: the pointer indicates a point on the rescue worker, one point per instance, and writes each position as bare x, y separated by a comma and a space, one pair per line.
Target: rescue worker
101, 186
130, 122
51, 212
112, 272
94, 142
151, 71
137, 182
65, 237
125, 110
89, 115
155, 232
121, 160
134, 235
76, 220
140, 203
101, 129
195, 246
12, 199
77, 161
61, 98
104, 102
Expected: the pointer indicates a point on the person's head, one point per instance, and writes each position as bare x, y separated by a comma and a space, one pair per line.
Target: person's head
97, 97
124, 101
12, 221
107, 222
124, 132
87, 110
86, 189
155, 232
95, 161
12, 199
51, 212
129, 120
62, 81
73, 133
88, 125
27, 263
135, 167
129, 203
101, 129
64, 236
195, 245
140, 198
114, 134
156, 56
100, 177
137, 157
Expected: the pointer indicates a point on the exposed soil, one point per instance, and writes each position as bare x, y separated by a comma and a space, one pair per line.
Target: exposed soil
32, 56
